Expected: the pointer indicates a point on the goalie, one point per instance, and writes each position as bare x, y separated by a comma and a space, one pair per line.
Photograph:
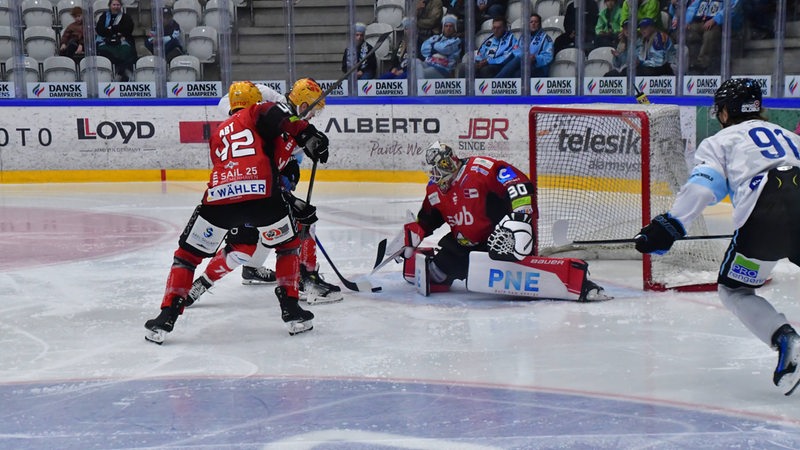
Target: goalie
488, 205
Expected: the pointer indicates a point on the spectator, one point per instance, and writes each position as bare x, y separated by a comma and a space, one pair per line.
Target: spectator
72, 38
368, 68
441, 52
607, 31
567, 40
399, 57
620, 61
490, 9
429, 19
172, 36
647, 9
496, 51
704, 33
458, 9
655, 52
114, 39
540, 52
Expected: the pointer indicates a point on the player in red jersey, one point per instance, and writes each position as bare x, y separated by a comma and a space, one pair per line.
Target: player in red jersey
244, 205
489, 207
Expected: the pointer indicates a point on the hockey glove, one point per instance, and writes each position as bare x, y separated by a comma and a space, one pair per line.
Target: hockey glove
512, 238
659, 235
414, 234
290, 175
314, 143
303, 212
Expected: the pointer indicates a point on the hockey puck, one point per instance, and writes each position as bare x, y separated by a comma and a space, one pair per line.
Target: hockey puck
377, 289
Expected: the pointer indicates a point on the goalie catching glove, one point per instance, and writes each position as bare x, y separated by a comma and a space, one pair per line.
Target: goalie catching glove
303, 212
314, 143
659, 235
512, 238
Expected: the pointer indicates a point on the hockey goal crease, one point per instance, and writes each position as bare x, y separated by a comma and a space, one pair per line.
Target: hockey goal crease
601, 172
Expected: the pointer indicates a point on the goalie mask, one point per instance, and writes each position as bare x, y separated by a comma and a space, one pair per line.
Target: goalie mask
443, 165
741, 97
306, 90
243, 94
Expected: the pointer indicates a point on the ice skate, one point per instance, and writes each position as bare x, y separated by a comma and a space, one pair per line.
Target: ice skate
315, 290
297, 319
158, 328
592, 292
199, 287
787, 375
257, 275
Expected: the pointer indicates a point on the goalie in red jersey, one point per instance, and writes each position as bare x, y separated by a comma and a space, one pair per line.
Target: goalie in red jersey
488, 205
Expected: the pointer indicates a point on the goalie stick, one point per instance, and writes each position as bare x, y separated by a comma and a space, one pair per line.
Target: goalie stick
357, 286
326, 92
561, 227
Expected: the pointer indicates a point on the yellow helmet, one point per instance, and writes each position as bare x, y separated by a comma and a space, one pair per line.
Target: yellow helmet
243, 94
306, 90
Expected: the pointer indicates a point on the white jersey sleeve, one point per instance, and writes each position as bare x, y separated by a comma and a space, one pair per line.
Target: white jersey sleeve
734, 162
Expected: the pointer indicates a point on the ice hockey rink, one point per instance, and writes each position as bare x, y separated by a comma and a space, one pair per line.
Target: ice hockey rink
83, 266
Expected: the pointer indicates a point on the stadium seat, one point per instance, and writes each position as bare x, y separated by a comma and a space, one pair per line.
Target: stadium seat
604, 53
64, 7
6, 43
516, 28
184, 68
212, 14
5, 13
202, 43
568, 54
145, 69
548, 8
40, 42
596, 67
391, 12
371, 35
31, 69
187, 13
103, 68
99, 6
481, 36
514, 9
563, 68
37, 13
59, 69
553, 26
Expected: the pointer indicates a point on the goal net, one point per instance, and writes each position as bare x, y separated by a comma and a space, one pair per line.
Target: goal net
601, 172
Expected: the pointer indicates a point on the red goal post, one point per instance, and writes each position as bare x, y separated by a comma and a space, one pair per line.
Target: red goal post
602, 171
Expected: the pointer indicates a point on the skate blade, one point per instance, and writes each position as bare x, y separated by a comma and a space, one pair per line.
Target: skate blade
249, 282
597, 296
789, 383
312, 300
155, 336
297, 327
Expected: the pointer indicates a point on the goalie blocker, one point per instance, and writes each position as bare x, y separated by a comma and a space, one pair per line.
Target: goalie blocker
532, 277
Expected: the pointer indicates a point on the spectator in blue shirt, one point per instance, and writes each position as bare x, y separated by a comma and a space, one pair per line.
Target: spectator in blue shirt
540, 53
441, 51
496, 52
172, 36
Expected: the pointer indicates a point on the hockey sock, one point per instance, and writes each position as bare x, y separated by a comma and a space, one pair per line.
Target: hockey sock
287, 270
227, 259
180, 276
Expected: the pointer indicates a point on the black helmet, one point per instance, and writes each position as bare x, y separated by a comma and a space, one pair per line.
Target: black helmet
741, 96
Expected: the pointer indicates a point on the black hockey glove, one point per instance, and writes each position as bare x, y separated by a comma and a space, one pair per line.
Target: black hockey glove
314, 143
303, 212
290, 175
659, 235
512, 238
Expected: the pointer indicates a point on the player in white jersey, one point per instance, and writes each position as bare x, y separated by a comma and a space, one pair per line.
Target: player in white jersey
756, 163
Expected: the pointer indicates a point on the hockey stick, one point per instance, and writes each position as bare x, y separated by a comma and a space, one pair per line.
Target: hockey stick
560, 239
326, 92
381, 253
357, 286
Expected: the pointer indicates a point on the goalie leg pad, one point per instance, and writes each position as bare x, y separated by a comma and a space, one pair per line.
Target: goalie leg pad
428, 278
409, 265
533, 276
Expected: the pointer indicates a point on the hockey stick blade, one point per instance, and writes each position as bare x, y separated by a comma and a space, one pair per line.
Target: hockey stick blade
357, 286
381, 253
561, 228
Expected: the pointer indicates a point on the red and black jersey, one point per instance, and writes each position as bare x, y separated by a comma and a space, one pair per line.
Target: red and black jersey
248, 150
483, 192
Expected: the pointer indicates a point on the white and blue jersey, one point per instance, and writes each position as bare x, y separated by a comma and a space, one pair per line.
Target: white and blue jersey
734, 162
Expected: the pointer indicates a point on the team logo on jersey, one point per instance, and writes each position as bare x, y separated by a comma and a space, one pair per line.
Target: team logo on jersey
480, 170
755, 182
462, 217
231, 165
505, 174
483, 162
471, 193
433, 198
